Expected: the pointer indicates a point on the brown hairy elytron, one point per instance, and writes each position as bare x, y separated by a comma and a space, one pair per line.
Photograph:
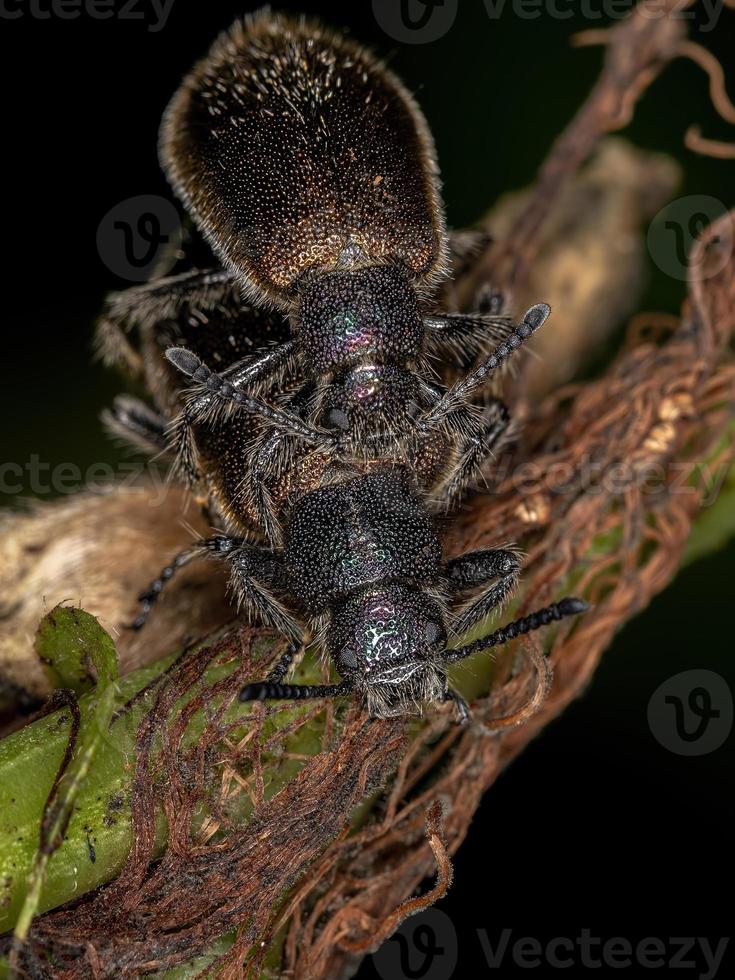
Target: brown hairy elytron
296, 150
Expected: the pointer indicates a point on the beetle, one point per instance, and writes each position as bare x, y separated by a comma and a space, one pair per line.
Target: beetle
309, 419
361, 567
309, 169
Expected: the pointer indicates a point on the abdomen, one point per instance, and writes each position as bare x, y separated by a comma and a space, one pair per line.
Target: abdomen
290, 145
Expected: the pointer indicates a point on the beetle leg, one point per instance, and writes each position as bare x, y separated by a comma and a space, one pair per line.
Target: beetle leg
216, 545
475, 449
217, 384
460, 394
494, 568
142, 428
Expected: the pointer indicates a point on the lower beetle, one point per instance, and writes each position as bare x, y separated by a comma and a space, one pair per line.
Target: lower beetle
361, 561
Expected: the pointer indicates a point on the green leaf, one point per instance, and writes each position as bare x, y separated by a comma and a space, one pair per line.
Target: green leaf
73, 643
99, 834
75, 651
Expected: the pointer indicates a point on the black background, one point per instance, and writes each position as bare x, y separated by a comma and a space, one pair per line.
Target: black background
596, 825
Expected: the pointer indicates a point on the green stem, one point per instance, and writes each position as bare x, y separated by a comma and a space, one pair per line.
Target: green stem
74, 645
98, 832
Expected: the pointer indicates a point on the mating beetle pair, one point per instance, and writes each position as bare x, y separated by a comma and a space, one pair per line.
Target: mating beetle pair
314, 427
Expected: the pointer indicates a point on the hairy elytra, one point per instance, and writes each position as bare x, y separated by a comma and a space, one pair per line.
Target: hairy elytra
295, 149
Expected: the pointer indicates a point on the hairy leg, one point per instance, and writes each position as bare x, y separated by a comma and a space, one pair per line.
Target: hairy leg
138, 425
218, 385
475, 450
254, 573
460, 394
160, 300
493, 569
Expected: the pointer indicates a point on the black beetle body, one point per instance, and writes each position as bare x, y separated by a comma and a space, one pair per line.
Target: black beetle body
314, 426
361, 561
311, 172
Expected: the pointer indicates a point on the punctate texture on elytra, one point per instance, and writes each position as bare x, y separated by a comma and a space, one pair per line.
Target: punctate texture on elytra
291, 144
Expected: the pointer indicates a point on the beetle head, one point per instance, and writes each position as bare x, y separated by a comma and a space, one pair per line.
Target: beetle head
388, 642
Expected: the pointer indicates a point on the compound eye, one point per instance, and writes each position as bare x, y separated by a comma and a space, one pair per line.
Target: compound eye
431, 633
337, 419
347, 659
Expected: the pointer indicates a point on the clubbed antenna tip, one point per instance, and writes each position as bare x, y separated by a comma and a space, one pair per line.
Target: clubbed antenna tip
572, 606
183, 360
